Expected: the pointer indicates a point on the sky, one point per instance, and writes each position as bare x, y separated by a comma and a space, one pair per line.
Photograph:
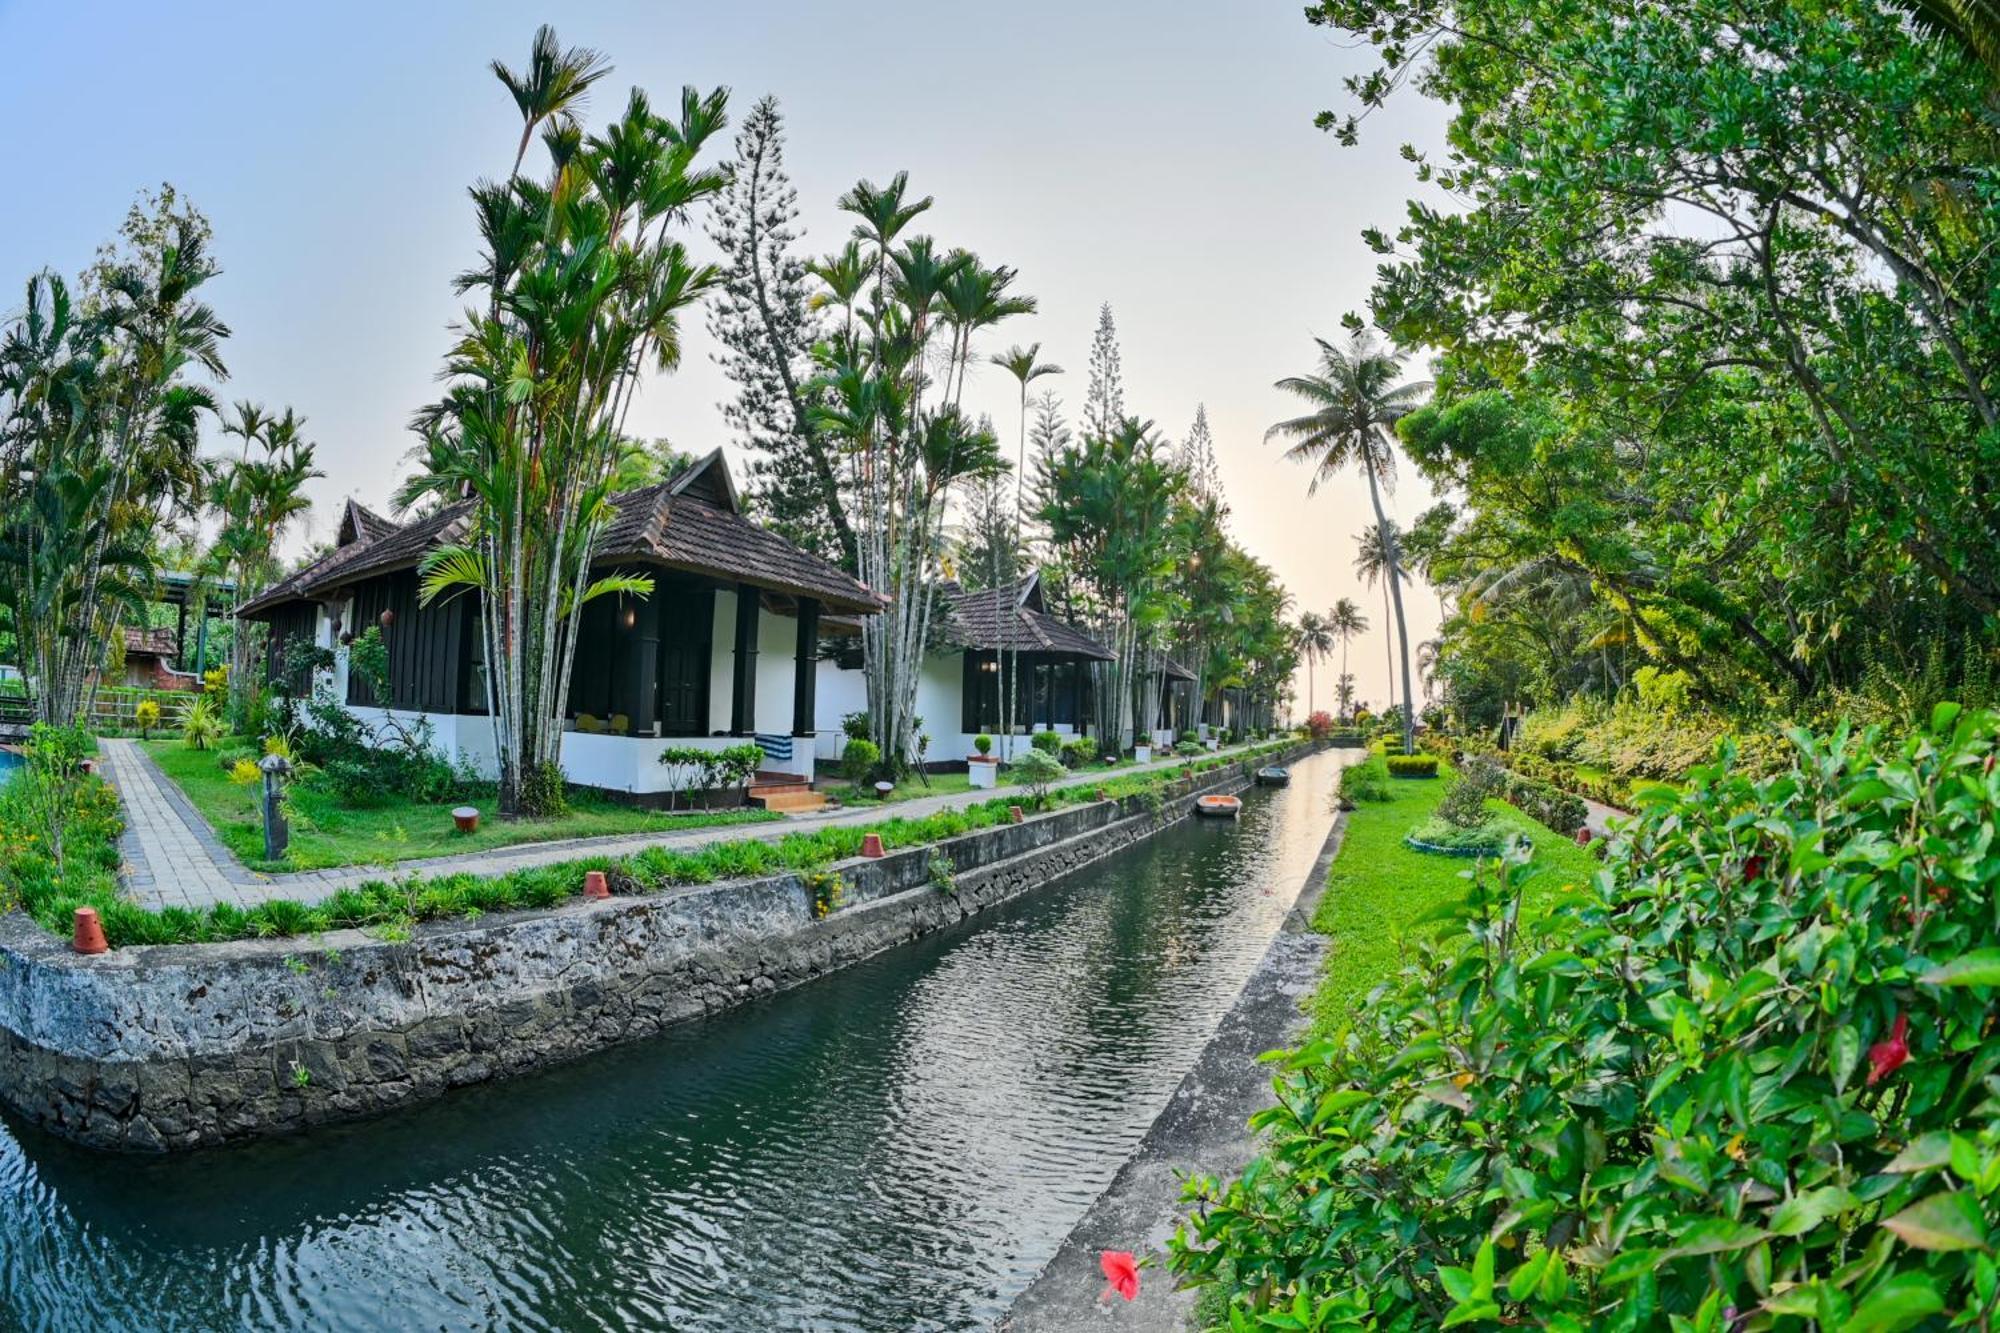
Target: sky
1159, 156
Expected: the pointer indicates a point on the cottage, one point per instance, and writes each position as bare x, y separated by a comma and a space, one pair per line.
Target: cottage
725, 650
958, 694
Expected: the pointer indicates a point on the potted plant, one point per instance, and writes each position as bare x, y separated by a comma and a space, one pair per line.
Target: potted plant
981, 767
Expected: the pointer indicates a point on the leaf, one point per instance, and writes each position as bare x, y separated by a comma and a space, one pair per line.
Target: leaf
1521, 1283
1716, 1236
1802, 1212
1926, 1153
1980, 967
1449, 1095
1942, 1222
1901, 1302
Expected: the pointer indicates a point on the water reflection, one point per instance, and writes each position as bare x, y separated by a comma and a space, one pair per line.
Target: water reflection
898, 1146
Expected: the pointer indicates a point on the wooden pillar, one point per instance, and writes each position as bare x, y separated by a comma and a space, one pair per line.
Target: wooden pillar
181, 632
805, 669
743, 691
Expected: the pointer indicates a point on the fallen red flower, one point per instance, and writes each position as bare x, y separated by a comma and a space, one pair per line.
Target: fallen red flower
1122, 1271
1887, 1056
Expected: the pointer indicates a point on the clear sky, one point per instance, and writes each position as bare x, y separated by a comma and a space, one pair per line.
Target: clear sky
1159, 155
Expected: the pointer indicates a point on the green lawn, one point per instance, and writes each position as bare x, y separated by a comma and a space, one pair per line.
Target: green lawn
324, 834
1378, 887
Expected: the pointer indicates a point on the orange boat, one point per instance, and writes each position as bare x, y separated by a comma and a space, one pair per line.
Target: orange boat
1218, 807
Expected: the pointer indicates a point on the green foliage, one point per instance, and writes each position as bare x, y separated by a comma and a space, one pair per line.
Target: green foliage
861, 759
983, 743
1078, 751
1413, 765
1747, 1068
1366, 781
147, 716
698, 769
1488, 835
1464, 803
1036, 769
201, 726
1048, 742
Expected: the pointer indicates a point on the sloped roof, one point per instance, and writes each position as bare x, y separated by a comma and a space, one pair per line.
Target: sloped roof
1010, 618
1173, 670
687, 523
158, 642
359, 523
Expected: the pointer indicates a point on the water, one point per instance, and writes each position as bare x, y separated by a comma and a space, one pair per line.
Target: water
901, 1145
9, 761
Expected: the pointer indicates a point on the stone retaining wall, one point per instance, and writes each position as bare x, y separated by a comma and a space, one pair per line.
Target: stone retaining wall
182, 1046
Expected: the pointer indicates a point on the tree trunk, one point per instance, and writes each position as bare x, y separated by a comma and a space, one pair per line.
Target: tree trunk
1395, 592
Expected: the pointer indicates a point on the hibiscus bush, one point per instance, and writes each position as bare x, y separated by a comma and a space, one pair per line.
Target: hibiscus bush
1747, 1079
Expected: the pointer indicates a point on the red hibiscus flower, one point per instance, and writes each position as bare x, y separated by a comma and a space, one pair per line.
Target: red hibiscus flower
1886, 1057
1122, 1271
1753, 868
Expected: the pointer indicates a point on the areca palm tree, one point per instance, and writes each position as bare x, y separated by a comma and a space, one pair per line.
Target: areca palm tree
1355, 404
1024, 365
1315, 640
586, 287
1345, 622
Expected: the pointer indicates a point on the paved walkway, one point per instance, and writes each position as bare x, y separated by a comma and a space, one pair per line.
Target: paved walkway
173, 858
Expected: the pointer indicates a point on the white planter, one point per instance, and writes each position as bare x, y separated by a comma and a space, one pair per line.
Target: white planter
1210, 742
983, 772
1142, 754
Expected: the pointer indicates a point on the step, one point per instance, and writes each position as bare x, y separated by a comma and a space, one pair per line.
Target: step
792, 801
775, 779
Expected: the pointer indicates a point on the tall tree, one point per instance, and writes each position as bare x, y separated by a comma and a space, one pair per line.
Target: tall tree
1024, 365
100, 413
1315, 640
1377, 550
1355, 404
1197, 455
1104, 399
1346, 623
585, 286
254, 500
764, 317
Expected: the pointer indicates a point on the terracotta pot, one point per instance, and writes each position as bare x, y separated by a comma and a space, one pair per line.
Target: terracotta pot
871, 844
88, 935
594, 885
1014, 813
466, 819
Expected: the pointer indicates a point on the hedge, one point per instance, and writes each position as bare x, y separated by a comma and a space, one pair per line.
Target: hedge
1413, 765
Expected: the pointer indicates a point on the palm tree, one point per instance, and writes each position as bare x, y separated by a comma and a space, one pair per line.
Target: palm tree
1315, 640
1375, 548
1021, 363
1974, 25
1345, 622
1356, 404
552, 87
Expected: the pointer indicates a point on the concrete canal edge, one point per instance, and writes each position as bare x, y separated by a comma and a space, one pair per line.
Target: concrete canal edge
183, 1046
1203, 1131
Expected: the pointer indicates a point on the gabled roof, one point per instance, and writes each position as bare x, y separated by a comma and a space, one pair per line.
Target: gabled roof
691, 522
1011, 618
1173, 670
359, 523
157, 642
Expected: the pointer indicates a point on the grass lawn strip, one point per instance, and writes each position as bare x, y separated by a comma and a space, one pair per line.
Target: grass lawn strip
1378, 887
326, 834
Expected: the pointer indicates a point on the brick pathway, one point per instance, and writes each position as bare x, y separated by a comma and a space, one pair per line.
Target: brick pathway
173, 858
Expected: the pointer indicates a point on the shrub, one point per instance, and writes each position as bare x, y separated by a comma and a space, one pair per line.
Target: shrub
1368, 781
1079, 750
1413, 765
860, 759
1464, 802
1489, 835
146, 716
1048, 742
983, 743
1037, 768
1189, 746
1320, 725
1546, 803
1747, 1068
201, 726
855, 726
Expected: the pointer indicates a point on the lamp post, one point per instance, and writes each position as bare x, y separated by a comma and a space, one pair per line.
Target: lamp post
277, 836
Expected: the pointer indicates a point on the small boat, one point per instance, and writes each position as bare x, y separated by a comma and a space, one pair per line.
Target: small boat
1218, 807
1273, 776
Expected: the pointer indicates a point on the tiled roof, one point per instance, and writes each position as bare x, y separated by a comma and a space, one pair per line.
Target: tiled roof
1173, 670
999, 619
653, 524
160, 641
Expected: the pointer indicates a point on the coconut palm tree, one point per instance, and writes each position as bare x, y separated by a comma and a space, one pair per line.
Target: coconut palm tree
1374, 547
1346, 623
1315, 640
1972, 24
1355, 404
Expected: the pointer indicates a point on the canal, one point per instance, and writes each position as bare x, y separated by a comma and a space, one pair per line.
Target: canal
901, 1145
